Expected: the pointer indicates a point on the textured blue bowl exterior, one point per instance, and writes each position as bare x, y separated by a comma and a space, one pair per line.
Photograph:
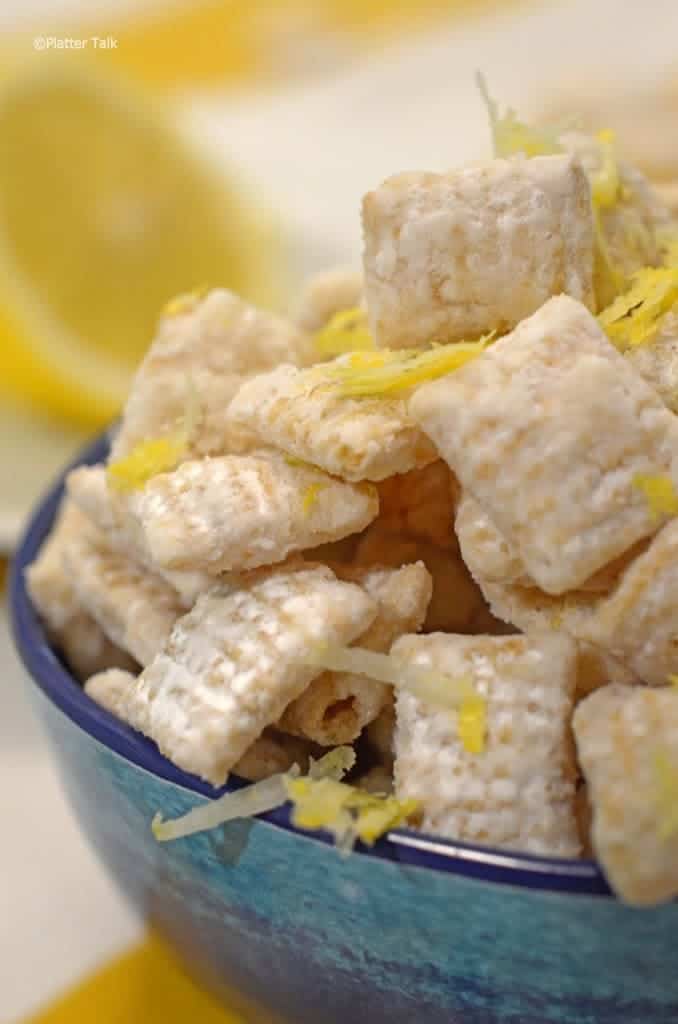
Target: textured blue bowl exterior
433, 932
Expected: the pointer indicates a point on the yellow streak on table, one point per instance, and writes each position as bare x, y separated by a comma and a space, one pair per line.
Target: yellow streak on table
143, 986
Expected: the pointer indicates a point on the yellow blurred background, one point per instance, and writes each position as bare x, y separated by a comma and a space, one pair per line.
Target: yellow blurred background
108, 207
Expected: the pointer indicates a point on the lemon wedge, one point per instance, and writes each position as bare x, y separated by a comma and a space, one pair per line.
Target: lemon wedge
105, 214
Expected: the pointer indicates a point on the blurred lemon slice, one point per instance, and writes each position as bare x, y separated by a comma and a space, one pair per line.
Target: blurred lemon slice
105, 213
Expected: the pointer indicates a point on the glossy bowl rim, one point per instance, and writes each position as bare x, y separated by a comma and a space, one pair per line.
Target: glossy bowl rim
423, 850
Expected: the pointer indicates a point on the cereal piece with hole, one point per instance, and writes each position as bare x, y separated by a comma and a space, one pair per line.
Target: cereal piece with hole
274, 752
352, 438
421, 504
135, 609
85, 646
237, 659
519, 791
451, 256
326, 293
237, 512
202, 351
521, 428
626, 742
638, 622
337, 706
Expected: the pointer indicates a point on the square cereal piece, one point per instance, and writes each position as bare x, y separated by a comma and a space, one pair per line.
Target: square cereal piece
519, 792
352, 438
87, 487
548, 430
203, 350
337, 706
573, 614
237, 512
237, 659
626, 742
638, 622
83, 643
135, 609
483, 548
451, 256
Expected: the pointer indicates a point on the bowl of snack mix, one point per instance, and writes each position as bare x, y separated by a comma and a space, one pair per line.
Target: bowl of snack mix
356, 639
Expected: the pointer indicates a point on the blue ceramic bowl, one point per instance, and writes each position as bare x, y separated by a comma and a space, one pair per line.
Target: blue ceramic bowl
419, 929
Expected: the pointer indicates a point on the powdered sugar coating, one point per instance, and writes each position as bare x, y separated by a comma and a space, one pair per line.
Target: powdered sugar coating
238, 512
135, 609
203, 354
518, 793
621, 732
451, 256
337, 706
234, 663
547, 430
355, 439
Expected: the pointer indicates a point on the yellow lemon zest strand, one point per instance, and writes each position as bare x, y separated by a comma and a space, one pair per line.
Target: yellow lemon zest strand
659, 493
344, 811
387, 373
346, 331
511, 136
146, 460
673, 680
250, 800
186, 302
666, 779
634, 317
606, 182
156, 455
472, 724
428, 686
310, 497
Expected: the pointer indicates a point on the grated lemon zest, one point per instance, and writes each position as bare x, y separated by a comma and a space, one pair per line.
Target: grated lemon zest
385, 373
156, 455
510, 135
344, 811
346, 331
472, 724
673, 680
310, 497
606, 188
428, 686
659, 493
146, 460
250, 800
635, 317
186, 302
666, 781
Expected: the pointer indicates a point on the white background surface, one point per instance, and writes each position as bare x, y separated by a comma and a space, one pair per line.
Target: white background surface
314, 149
